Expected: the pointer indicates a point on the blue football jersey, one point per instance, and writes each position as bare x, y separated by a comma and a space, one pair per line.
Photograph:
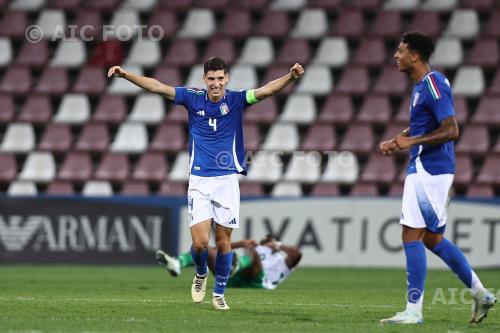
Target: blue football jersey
216, 145
431, 102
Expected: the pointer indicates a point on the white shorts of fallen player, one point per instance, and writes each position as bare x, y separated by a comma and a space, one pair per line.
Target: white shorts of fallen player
425, 200
216, 198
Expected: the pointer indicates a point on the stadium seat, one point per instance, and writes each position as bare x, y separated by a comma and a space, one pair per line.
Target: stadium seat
133, 188
286, 189
107, 53
168, 75
177, 189
113, 167
89, 25
299, 109
484, 53
492, 27
257, 51
371, 52
167, 20
292, 5
273, 24
251, 137
282, 137
439, 5
145, 53
216, 5
180, 169
379, 169
14, 24
7, 110
341, 167
325, 189
242, 77
195, 77
91, 81
18, 138
123, 18
70, 53
65, 5
54, 81
198, 24
177, 114
252, 5
169, 137
317, 80
358, 139
222, 48
93, 138
39, 167
495, 84
51, 22
22, 188
338, 108
464, 170
264, 112
265, 167
294, 50
487, 111
464, 24
480, 190
489, 172
37, 110
474, 140
110, 109
27, 5
312, 23
396, 190
76, 167
387, 24
375, 109
496, 147
33, 54
275, 71
461, 109
328, 5
74, 109
56, 138
426, 21
148, 109
401, 5
365, 4
151, 166
469, 81
350, 24
304, 168
6, 51
97, 188
236, 24
361, 189
124, 87
319, 137
354, 80
102, 5
131, 138
251, 189
178, 5
140, 5
391, 81
16, 80
333, 52
403, 114
58, 187
8, 172
448, 53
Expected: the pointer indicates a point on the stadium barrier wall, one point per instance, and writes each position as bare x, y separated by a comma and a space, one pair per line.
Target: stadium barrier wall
331, 232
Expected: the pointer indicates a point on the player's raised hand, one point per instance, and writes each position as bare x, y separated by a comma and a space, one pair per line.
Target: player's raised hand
116, 71
297, 71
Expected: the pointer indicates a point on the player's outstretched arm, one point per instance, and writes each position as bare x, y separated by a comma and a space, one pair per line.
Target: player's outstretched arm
447, 131
146, 83
245, 243
296, 72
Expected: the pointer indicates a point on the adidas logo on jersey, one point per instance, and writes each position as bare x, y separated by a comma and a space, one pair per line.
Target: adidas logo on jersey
201, 113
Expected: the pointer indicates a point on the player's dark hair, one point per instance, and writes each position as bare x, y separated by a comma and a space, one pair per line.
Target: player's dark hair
420, 43
215, 64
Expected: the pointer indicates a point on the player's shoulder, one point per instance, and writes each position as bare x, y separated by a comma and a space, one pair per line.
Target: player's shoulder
440, 78
436, 84
195, 91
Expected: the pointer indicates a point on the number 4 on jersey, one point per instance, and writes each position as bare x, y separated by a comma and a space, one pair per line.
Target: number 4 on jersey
213, 123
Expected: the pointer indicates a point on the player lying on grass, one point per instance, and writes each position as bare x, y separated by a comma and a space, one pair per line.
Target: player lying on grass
264, 265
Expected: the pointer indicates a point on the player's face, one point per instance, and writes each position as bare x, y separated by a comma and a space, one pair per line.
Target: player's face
404, 58
215, 81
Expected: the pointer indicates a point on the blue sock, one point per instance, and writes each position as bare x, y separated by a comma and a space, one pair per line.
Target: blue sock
455, 259
223, 264
416, 271
200, 261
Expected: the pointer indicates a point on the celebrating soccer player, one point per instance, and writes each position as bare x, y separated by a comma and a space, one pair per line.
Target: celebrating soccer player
217, 155
433, 128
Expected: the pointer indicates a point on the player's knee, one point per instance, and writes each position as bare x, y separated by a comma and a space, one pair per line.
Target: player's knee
223, 245
200, 244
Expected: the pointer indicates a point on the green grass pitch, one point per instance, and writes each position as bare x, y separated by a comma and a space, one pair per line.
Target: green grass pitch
147, 299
